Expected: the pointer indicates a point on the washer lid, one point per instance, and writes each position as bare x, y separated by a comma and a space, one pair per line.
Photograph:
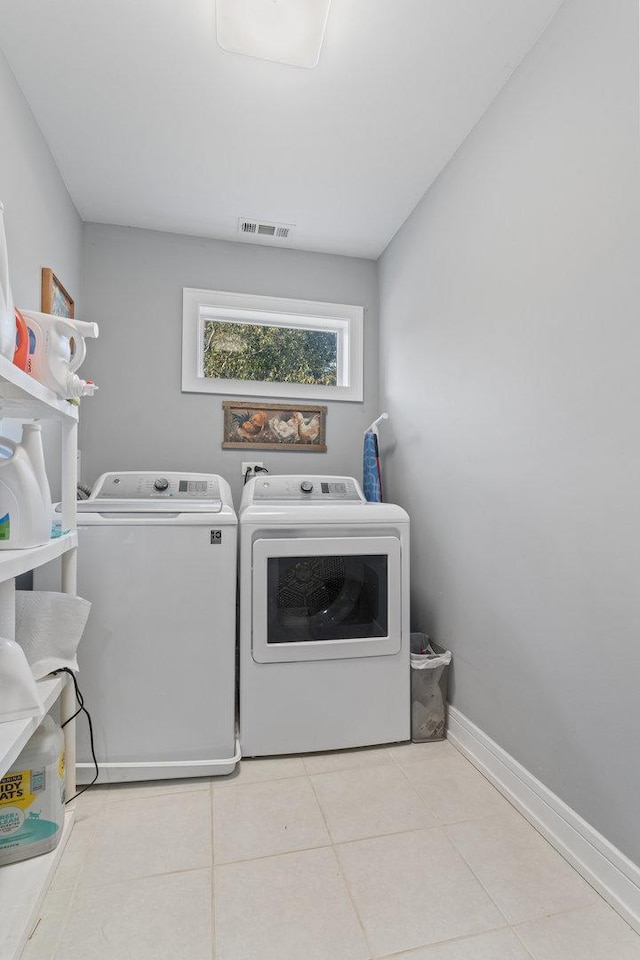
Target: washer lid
142, 506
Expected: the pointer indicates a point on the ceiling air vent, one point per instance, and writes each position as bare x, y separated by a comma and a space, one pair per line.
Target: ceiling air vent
264, 231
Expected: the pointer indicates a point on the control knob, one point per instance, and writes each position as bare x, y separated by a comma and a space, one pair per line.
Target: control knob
161, 483
306, 486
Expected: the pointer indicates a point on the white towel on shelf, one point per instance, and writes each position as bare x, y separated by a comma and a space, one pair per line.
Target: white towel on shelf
49, 627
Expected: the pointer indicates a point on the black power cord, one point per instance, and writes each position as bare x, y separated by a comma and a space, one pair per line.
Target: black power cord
255, 471
81, 709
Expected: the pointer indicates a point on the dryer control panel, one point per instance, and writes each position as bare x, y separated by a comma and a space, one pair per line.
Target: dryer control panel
152, 486
309, 489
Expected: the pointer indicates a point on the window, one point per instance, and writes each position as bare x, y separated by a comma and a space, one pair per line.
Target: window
268, 346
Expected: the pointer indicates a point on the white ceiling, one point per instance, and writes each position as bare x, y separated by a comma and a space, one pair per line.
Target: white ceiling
153, 125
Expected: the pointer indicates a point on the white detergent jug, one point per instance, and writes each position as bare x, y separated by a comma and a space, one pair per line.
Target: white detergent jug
56, 350
18, 691
25, 513
32, 444
7, 312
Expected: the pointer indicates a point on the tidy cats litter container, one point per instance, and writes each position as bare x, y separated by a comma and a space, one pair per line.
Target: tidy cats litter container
32, 797
429, 676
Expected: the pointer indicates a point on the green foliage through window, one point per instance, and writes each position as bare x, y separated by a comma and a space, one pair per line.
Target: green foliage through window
250, 351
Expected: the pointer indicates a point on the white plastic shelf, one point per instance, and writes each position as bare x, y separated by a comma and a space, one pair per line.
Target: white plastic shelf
22, 889
22, 396
23, 885
14, 734
15, 562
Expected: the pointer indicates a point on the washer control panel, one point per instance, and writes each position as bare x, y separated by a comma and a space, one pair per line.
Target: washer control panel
156, 486
307, 489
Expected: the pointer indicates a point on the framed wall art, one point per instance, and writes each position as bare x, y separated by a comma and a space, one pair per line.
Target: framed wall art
274, 426
54, 298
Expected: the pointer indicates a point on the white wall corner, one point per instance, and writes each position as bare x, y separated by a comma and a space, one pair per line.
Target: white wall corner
607, 869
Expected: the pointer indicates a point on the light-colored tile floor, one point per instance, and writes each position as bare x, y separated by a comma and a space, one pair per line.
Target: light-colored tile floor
402, 853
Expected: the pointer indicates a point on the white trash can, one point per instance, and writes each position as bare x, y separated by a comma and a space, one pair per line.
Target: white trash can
429, 676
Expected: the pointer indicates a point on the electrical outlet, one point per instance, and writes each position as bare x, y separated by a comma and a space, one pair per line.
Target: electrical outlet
250, 465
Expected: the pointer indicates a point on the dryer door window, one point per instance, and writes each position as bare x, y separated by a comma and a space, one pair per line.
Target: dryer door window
313, 598
324, 599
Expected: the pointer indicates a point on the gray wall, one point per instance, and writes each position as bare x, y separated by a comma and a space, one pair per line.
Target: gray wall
42, 225
139, 419
510, 305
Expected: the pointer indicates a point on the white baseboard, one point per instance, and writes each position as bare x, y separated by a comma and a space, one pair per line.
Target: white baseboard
614, 876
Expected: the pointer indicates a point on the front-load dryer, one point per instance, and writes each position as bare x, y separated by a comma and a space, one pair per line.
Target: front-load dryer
324, 617
157, 560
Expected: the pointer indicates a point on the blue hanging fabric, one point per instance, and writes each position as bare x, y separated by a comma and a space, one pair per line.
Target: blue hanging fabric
371, 485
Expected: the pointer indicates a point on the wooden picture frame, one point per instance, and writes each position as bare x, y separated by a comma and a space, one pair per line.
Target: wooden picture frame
54, 298
274, 426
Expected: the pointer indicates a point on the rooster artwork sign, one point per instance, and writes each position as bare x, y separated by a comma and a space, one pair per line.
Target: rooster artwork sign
269, 426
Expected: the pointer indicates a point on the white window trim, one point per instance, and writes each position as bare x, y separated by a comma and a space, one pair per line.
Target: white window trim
347, 320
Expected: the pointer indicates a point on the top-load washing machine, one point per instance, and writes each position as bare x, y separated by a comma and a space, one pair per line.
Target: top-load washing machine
157, 560
324, 617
